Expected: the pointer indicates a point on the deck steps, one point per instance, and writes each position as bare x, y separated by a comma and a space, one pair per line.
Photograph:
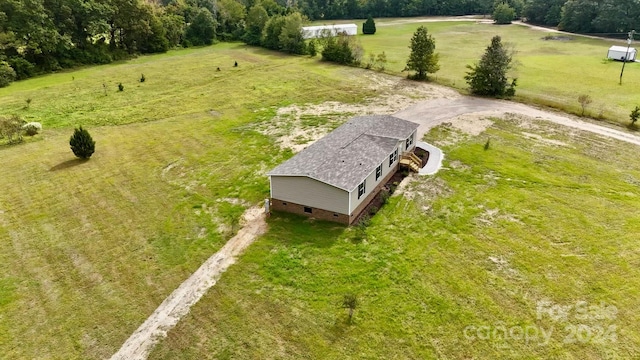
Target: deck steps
411, 163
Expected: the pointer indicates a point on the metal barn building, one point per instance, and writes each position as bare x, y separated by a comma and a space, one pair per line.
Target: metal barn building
314, 32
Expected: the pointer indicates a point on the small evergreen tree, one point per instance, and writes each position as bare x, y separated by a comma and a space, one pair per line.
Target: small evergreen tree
423, 58
489, 76
82, 144
312, 48
635, 114
369, 26
503, 14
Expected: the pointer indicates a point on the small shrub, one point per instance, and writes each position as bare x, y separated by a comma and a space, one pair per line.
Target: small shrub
32, 128
28, 101
7, 74
120, 87
384, 197
370, 61
312, 48
584, 101
635, 114
487, 145
142, 79
11, 129
350, 301
373, 210
82, 144
381, 61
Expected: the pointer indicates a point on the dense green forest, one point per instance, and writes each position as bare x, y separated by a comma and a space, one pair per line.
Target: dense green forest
38, 36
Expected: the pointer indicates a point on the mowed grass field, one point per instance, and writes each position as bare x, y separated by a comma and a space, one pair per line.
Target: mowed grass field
550, 72
499, 239
90, 249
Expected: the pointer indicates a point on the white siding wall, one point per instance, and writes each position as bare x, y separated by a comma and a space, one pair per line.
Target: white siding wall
371, 182
413, 142
306, 191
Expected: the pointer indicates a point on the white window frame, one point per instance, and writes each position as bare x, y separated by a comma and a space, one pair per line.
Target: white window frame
362, 188
378, 172
409, 142
393, 157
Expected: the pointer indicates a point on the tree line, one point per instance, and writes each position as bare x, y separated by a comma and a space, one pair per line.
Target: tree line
38, 36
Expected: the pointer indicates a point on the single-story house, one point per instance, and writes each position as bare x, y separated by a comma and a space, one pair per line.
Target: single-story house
622, 53
314, 32
337, 177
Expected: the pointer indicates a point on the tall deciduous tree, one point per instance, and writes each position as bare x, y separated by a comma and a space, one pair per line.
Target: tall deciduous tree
489, 76
256, 20
423, 58
291, 39
272, 31
202, 31
231, 15
503, 14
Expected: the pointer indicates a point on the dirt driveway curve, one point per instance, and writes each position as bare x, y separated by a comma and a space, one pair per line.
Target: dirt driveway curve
437, 111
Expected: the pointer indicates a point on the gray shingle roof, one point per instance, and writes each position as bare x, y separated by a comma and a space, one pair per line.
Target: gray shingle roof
347, 155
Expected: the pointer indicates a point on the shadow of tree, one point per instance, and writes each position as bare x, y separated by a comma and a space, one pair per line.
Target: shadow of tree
68, 164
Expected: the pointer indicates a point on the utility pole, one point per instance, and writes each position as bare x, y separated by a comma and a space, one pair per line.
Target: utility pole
629, 40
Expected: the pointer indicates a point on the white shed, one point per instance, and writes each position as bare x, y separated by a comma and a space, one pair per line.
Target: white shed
622, 53
313, 32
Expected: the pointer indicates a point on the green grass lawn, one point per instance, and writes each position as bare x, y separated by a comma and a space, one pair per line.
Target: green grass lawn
90, 249
549, 72
482, 243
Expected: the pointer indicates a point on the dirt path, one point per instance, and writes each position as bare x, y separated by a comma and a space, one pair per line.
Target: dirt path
178, 304
434, 112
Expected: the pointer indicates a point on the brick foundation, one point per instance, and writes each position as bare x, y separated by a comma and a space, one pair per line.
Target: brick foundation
287, 206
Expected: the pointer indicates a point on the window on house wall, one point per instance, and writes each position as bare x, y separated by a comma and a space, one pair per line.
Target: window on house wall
393, 157
378, 172
362, 189
409, 142
307, 210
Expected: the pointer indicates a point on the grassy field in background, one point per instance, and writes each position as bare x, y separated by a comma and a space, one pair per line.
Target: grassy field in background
90, 249
549, 72
482, 243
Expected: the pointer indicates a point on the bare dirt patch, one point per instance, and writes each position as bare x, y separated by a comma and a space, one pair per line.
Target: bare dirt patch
179, 303
471, 124
543, 139
297, 126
